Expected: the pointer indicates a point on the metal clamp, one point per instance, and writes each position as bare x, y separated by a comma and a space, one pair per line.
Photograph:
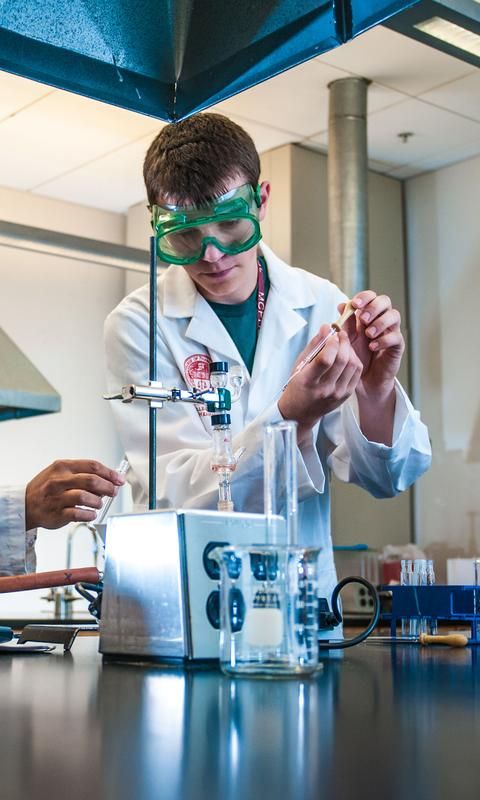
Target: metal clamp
59, 634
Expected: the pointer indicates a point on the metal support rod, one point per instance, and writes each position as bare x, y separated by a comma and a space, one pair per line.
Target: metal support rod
152, 412
347, 184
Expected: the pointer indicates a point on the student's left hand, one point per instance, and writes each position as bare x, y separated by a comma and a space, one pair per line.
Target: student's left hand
375, 335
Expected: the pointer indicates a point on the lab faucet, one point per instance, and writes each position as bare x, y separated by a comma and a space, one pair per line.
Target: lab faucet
63, 596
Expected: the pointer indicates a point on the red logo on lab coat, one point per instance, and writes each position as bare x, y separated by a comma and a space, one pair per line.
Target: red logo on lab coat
197, 371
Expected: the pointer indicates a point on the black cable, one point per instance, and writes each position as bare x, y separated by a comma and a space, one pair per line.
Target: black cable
344, 643
94, 601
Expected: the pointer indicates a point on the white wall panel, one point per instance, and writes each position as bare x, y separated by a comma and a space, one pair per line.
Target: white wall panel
54, 310
443, 254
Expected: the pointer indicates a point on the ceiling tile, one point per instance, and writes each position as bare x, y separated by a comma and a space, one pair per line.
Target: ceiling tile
295, 101
319, 143
16, 93
61, 132
384, 167
458, 95
113, 183
397, 61
439, 160
71, 148
265, 137
380, 97
408, 171
438, 135
434, 130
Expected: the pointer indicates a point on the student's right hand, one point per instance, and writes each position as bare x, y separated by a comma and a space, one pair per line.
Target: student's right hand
324, 384
52, 497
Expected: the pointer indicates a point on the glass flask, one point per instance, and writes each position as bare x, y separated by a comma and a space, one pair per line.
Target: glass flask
268, 609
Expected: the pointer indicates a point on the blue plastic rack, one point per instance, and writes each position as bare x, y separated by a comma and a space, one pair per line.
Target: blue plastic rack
438, 602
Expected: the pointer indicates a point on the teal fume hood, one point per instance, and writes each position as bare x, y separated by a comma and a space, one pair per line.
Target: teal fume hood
171, 58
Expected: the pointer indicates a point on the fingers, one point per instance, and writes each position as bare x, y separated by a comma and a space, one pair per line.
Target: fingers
363, 299
74, 514
375, 326
52, 496
323, 332
334, 359
391, 340
376, 310
91, 467
330, 362
346, 371
78, 497
87, 483
381, 323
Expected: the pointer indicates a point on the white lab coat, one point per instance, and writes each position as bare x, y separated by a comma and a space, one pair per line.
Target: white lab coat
298, 303
17, 546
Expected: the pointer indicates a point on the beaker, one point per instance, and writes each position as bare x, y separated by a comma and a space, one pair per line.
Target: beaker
268, 609
280, 491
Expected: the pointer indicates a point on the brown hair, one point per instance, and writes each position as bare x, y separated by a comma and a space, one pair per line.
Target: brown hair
190, 162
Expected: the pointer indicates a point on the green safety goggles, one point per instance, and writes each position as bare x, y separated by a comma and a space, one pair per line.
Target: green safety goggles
230, 223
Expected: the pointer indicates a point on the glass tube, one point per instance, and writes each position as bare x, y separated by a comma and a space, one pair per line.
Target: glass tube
406, 580
280, 478
433, 625
223, 460
418, 625
122, 469
476, 604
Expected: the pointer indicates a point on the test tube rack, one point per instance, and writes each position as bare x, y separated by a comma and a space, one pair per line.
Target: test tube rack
460, 604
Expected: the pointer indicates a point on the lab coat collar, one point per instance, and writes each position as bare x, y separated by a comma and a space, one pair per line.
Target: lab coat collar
282, 319
181, 298
296, 294
179, 293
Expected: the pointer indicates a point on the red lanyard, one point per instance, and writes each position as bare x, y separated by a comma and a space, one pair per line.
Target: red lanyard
260, 295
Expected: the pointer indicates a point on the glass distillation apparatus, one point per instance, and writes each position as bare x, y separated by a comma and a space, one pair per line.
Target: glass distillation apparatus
224, 461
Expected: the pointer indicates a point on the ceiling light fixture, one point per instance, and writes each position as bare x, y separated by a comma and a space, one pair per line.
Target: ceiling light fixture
449, 25
452, 34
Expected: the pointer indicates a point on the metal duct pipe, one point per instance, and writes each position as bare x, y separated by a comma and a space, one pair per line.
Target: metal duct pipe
347, 184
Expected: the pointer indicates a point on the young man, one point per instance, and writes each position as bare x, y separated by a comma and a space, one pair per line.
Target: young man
50, 500
226, 296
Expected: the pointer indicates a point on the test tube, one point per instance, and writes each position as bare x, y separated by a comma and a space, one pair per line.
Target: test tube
280, 478
122, 469
418, 625
433, 625
476, 608
406, 580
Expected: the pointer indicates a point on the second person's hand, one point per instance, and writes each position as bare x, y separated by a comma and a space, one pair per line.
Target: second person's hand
53, 497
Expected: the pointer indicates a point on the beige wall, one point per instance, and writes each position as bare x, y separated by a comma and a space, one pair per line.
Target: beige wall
26, 208
297, 229
444, 267
54, 308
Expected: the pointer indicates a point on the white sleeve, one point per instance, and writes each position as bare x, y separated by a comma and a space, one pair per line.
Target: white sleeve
17, 546
184, 446
384, 471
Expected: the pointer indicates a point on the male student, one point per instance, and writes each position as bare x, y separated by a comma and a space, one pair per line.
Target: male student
227, 297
